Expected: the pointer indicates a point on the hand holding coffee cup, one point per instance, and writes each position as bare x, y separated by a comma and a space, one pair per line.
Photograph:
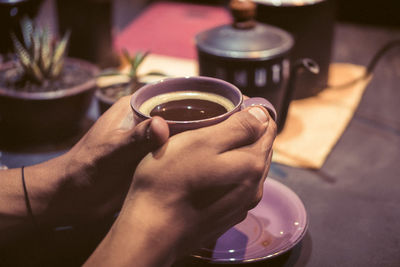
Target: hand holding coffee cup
228, 162
189, 103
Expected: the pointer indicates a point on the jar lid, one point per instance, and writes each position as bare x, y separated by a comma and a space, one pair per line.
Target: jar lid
245, 39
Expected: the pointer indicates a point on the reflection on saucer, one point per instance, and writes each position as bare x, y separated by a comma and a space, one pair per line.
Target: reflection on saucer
277, 224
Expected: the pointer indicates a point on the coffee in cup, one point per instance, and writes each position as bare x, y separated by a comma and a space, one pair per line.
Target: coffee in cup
187, 106
188, 103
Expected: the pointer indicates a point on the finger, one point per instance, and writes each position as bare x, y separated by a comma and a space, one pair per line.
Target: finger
250, 171
158, 132
147, 136
268, 165
241, 129
119, 110
251, 160
221, 225
262, 147
260, 190
118, 116
237, 201
248, 161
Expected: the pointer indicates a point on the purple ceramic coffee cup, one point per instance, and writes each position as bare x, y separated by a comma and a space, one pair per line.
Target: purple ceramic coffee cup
195, 83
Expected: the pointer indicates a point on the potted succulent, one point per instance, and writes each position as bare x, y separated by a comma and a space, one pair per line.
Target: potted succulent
110, 92
11, 12
43, 94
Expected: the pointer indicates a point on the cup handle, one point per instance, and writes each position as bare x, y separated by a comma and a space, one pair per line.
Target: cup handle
259, 101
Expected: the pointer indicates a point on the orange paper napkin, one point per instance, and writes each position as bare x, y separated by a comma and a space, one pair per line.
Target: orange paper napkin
315, 124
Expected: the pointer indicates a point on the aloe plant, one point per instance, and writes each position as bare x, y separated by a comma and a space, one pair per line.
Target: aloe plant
134, 62
40, 56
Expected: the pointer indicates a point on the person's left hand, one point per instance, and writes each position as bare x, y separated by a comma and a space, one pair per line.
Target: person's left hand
97, 171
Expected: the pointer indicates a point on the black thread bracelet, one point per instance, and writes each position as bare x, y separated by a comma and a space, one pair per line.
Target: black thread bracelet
27, 202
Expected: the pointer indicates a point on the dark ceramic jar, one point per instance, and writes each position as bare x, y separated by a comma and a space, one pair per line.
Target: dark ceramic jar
253, 56
311, 22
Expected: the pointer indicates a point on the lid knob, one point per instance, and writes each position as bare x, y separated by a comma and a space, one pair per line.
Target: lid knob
243, 12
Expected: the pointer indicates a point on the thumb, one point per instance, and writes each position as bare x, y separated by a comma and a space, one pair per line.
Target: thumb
158, 132
148, 135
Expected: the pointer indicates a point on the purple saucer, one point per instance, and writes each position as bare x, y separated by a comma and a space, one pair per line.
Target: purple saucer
276, 225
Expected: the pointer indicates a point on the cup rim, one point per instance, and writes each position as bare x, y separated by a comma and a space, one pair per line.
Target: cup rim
203, 78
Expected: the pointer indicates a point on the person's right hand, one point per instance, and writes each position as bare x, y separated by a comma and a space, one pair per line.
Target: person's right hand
193, 189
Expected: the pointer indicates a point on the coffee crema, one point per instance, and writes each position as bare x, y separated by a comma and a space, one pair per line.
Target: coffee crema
186, 105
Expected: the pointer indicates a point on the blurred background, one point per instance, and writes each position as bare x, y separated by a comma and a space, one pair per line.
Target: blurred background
354, 179
110, 17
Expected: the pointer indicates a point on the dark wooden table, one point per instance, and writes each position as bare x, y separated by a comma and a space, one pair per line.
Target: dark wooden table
353, 201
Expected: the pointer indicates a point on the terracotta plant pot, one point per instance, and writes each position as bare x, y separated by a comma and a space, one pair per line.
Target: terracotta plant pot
32, 117
105, 101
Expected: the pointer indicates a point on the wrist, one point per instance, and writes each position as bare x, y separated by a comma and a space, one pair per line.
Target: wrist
157, 226
12, 204
144, 234
43, 183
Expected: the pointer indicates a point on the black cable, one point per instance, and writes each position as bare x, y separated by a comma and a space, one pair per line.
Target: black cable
372, 63
378, 55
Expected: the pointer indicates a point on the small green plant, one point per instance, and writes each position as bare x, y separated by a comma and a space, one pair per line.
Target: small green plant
134, 82
40, 56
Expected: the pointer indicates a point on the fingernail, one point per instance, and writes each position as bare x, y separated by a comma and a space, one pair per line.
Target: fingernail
259, 114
